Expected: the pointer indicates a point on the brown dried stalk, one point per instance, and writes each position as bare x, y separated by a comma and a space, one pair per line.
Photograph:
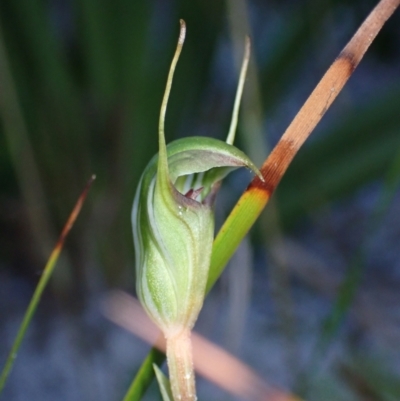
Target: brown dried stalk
257, 194
323, 96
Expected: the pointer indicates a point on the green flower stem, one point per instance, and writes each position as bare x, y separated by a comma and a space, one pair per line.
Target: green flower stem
180, 366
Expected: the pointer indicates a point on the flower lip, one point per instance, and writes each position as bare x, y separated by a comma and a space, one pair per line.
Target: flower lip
193, 193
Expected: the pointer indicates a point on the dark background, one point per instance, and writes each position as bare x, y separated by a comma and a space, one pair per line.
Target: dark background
81, 84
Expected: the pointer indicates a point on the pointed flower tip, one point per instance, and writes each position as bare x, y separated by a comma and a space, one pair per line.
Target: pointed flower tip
259, 175
250, 165
182, 32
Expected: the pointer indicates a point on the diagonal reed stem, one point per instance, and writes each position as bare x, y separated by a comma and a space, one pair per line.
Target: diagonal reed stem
257, 194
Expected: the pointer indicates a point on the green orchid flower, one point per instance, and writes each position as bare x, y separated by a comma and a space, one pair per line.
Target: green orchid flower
173, 230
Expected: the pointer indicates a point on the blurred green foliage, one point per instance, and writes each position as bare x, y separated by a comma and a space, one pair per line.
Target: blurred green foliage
82, 83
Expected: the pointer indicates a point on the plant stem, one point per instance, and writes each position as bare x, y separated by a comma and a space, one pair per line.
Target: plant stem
257, 194
180, 366
47, 272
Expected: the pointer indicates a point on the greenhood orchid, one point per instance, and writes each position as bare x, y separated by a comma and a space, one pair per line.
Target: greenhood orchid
173, 229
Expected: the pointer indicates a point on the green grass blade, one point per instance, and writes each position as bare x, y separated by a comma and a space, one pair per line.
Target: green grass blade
164, 384
145, 375
48, 270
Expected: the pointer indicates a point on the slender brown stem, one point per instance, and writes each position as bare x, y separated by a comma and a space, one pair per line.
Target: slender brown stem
256, 196
180, 366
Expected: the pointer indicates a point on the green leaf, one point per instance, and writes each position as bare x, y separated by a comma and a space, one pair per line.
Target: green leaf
163, 382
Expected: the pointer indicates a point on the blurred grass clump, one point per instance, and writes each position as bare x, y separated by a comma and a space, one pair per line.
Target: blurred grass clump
81, 88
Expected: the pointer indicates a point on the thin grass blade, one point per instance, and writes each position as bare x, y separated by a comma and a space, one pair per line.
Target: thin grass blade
48, 270
145, 375
163, 383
